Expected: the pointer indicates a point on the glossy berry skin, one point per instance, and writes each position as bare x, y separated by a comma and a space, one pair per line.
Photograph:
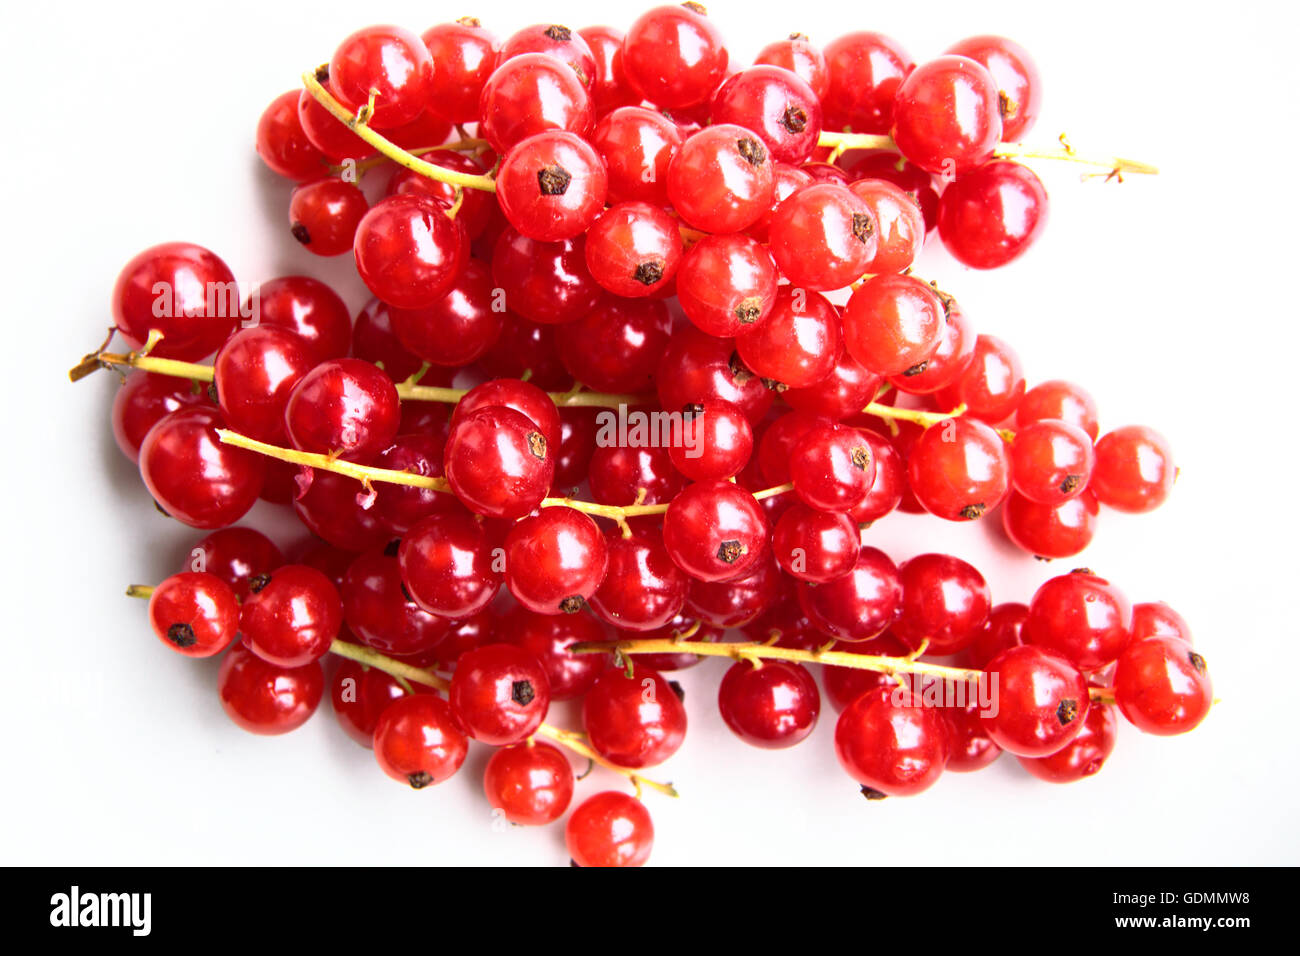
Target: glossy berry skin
844, 685
727, 285
499, 693
716, 441
715, 531
408, 252
860, 605
798, 344
193, 476
773, 707
418, 742
992, 385
619, 473
380, 614
1042, 701
777, 443
264, 698
674, 57
832, 468
1162, 686
970, 747
282, 144
947, 117
292, 619
1135, 469
399, 507
464, 55
893, 323
891, 744
634, 249
236, 556
375, 341
530, 94
1158, 619
864, 70
498, 462
1080, 616
1061, 400
556, 40
1051, 461
254, 372
633, 334
551, 186
447, 565
610, 828
477, 210
144, 399
555, 560
327, 134
359, 695
946, 364
530, 784
194, 613
183, 291
899, 221
548, 637
1084, 755
991, 215
887, 487
324, 215
800, 56
1051, 531
698, 366
959, 469
546, 282
786, 181
523, 397
643, 588
609, 88
459, 327
330, 509
945, 601
388, 61
1020, 89
634, 722
1004, 628
823, 237
777, 105
637, 146
344, 406
720, 180
842, 393
309, 309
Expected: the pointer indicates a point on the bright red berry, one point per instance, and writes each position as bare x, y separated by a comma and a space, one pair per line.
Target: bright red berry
418, 742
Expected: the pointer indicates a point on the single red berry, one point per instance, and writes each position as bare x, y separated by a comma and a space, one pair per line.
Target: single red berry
499, 693
891, 744
633, 335
777, 105
715, 531
464, 55
265, 698
1135, 469
459, 327
346, 407
359, 695
524, 397
947, 363
946, 602
720, 180
1020, 89
727, 285
1051, 531
308, 308
408, 252
181, 290
1051, 461
815, 546
530, 94
609, 88
864, 71
1061, 400
1001, 630
548, 637
478, 208
531, 784
993, 384
283, 145
970, 747
674, 56
255, 371
1158, 619
899, 221
237, 556
634, 249
832, 468
551, 186
737, 602
637, 146
860, 605
324, 215
553, 39
334, 139
194, 613
643, 588
499, 462
959, 469
636, 721
889, 485
380, 613
841, 394
619, 474
893, 324
546, 282
555, 560
697, 367
716, 441
143, 400
1084, 755
448, 566
773, 706
797, 54
1042, 701
823, 237
798, 343
992, 214
388, 63
947, 116
418, 742
1162, 686
293, 617
609, 829
400, 507
194, 476
786, 181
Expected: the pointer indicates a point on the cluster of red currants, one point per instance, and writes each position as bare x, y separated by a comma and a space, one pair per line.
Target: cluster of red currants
664, 232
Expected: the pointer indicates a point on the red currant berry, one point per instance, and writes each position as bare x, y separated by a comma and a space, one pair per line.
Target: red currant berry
619, 475
900, 224
1003, 629
359, 695
265, 698
893, 324
715, 531
737, 602
181, 290
254, 373
970, 747
408, 252
334, 139
786, 181
545, 282
860, 605
1162, 686
1135, 469
843, 393
577, 445
499, 462
823, 237
634, 721
1084, 755
1158, 619
643, 588
912, 179
524, 397
637, 146
992, 385
773, 706
716, 442
832, 468
478, 208
308, 308
554, 40
947, 363
798, 344
555, 560
720, 180
293, 618
889, 485
777, 105
464, 55
959, 469
797, 54
144, 399
609, 829
447, 565
499, 693
548, 637
674, 56
324, 215
380, 613
551, 186
633, 335
331, 508
727, 285
1080, 616
531, 784
844, 685
891, 744
945, 602
459, 327
418, 742
386, 63
992, 214
864, 71
1020, 90
1051, 461
237, 556
283, 145
344, 406
698, 367
400, 507
947, 117
777, 443
530, 94
1042, 701
1060, 400
194, 613
634, 249
609, 89
195, 477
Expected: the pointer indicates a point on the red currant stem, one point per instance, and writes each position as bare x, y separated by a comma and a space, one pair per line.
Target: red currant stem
362, 473
1101, 695
140, 359
363, 166
574, 742
924, 419
1115, 165
140, 591
569, 399
773, 491
385, 146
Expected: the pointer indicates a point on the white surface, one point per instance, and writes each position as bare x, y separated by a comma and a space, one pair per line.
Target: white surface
130, 124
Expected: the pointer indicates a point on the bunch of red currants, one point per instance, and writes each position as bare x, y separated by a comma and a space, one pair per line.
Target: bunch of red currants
670, 306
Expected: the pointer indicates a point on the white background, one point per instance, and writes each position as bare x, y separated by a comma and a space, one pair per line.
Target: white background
128, 124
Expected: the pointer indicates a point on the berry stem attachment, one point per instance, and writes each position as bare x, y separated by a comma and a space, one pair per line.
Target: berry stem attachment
574, 741
924, 419
140, 591
141, 360
362, 473
387, 147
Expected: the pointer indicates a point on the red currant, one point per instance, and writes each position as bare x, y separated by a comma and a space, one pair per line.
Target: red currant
447, 565
548, 637
456, 329
1135, 469
418, 742
777, 105
1162, 686
408, 252
238, 556
499, 693
643, 588
1060, 400
860, 605
555, 560
181, 290
893, 324
773, 706
464, 55
1020, 90
265, 698
823, 237
545, 282
195, 477
634, 249
530, 94
143, 400
498, 462
194, 613
1042, 701
308, 308
346, 407
832, 468
891, 744
324, 215
1084, 755
865, 71
715, 531
283, 145
379, 612
674, 56
959, 469
947, 116
945, 602
531, 784
551, 186
634, 721
609, 829
293, 618
720, 180
388, 63
992, 214
727, 285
